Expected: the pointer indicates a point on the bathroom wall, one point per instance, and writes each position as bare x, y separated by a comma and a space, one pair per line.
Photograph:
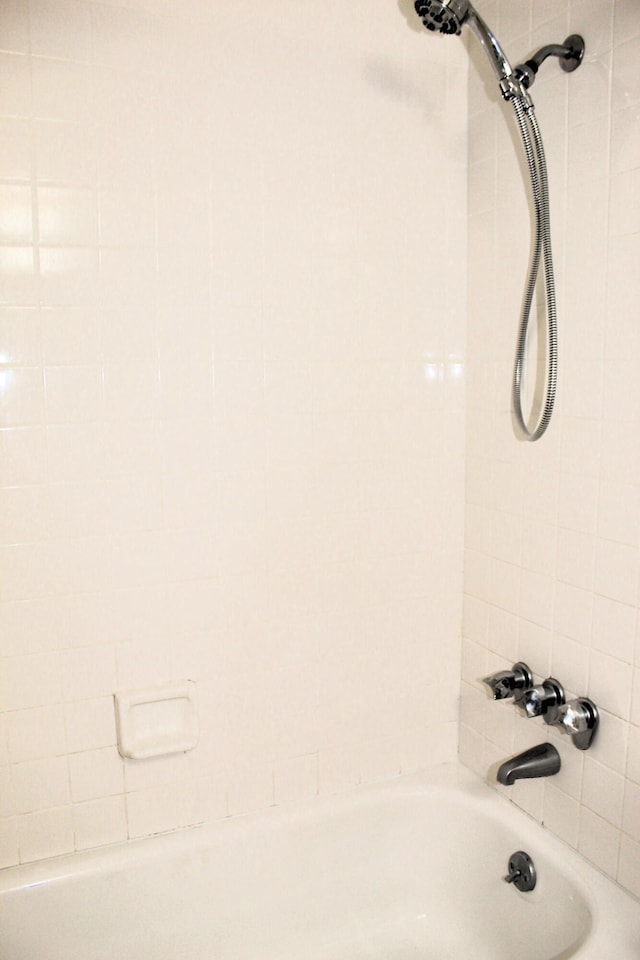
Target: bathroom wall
553, 528
232, 288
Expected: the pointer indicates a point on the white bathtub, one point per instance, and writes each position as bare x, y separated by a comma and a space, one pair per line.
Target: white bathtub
409, 869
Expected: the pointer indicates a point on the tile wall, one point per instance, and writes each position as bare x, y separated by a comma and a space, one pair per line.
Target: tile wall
553, 529
232, 312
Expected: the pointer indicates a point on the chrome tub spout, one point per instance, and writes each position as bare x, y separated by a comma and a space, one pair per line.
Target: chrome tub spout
543, 760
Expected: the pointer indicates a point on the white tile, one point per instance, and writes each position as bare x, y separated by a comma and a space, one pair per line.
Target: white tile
131, 391
68, 275
590, 98
123, 150
88, 672
4, 743
626, 86
75, 452
186, 391
23, 455
159, 809
599, 841
610, 684
625, 195
296, 779
475, 619
561, 814
99, 822
470, 749
22, 397
7, 800
14, 26
576, 558
625, 138
140, 662
616, 571
599, 17
15, 214
569, 779
603, 791
570, 660
136, 325
40, 784
15, 84
629, 865
32, 681
631, 812
127, 217
36, 733
578, 503
73, 394
529, 796
65, 152
120, 37
536, 598
474, 661
499, 725
614, 628
62, 90
626, 21
67, 217
95, 774
19, 275
619, 461
573, 612
61, 29
633, 758
47, 833
618, 513
588, 145
635, 702
609, 746
70, 337
90, 724
26, 514
9, 852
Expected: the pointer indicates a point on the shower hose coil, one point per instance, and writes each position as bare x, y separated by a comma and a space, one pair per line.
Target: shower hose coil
541, 250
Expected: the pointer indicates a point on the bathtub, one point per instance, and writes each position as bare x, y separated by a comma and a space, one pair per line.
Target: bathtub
408, 869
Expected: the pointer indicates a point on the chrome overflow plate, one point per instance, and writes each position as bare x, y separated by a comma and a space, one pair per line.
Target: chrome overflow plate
522, 872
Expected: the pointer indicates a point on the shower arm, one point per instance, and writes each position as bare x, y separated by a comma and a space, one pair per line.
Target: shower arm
569, 53
516, 82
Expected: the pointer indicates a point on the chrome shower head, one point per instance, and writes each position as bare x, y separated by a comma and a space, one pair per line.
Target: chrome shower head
443, 16
448, 17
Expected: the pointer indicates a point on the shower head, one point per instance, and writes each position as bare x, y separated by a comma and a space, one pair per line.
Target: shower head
443, 16
448, 17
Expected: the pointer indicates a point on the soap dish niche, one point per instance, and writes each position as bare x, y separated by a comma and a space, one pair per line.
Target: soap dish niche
158, 720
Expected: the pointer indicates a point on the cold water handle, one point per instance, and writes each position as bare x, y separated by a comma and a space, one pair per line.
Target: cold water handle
580, 719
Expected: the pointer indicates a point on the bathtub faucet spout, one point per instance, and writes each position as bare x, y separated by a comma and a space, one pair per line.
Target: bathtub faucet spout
543, 760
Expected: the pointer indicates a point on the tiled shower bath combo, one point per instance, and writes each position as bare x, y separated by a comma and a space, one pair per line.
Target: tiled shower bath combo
268, 512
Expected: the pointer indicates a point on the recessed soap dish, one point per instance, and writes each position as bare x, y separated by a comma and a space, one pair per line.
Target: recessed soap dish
157, 720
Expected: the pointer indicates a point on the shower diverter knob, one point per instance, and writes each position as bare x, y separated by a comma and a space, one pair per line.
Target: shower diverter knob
543, 700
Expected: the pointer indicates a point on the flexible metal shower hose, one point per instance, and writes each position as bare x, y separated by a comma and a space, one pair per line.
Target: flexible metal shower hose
542, 245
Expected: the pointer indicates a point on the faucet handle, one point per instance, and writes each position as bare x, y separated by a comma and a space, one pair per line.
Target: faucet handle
543, 700
509, 683
580, 719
